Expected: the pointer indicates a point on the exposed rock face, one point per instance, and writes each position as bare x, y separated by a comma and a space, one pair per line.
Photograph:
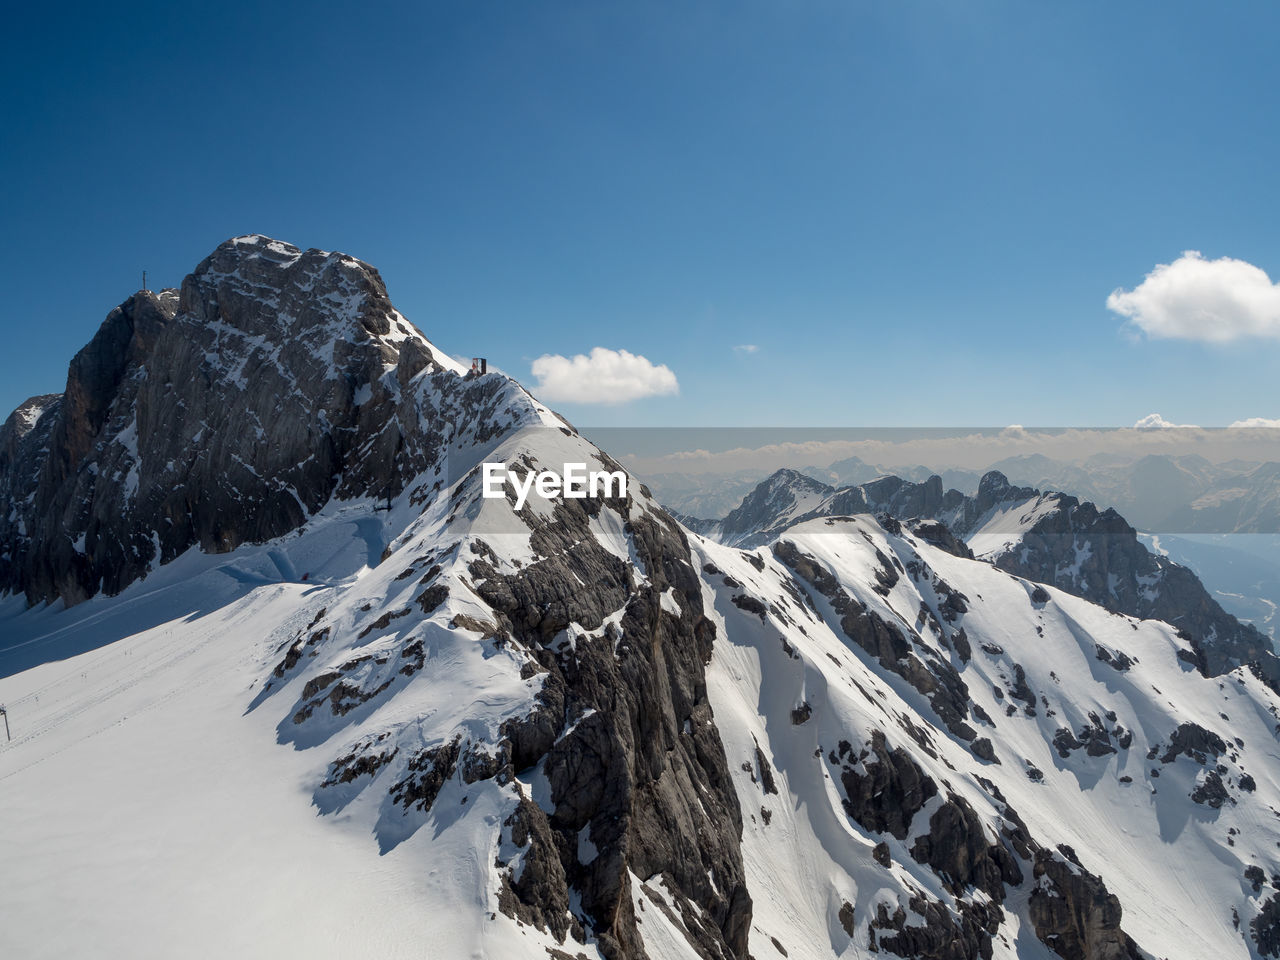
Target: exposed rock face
223, 414
24, 446
1074, 913
69, 471
788, 497
1211, 791
631, 752
1193, 740
957, 848
883, 788
779, 499
934, 677
942, 936
1265, 927
940, 535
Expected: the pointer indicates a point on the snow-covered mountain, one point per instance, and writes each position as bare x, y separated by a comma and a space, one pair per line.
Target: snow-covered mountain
789, 496
1163, 493
281, 682
1045, 537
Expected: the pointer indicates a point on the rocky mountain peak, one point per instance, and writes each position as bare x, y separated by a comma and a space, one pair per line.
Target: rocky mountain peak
27, 415
993, 484
315, 292
223, 413
787, 476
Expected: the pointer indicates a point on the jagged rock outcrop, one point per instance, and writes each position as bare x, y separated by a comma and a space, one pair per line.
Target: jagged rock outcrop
942, 935
1074, 913
631, 754
933, 676
958, 849
1097, 555
883, 788
24, 447
1264, 929
773, 504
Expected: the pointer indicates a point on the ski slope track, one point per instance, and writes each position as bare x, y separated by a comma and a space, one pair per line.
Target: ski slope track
399, 719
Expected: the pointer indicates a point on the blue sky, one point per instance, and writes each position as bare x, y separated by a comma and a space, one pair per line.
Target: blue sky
915, 211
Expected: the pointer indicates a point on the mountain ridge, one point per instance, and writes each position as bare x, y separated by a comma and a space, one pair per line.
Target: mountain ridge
1049, 537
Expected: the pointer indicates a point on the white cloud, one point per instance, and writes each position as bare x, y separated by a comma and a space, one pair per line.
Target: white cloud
1198, 299
745, 348
605, 377
1257, 422
1153, 421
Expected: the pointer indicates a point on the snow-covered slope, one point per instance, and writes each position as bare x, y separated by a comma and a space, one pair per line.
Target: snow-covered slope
857, 780
1092, 749
1054, 538
450, 684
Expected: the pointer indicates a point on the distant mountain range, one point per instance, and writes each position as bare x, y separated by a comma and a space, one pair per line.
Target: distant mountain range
1156, 493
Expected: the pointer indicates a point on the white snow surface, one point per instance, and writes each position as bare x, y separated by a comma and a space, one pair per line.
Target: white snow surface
1004, 525
150, 813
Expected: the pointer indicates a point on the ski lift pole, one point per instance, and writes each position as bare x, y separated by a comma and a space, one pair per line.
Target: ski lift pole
5, 714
